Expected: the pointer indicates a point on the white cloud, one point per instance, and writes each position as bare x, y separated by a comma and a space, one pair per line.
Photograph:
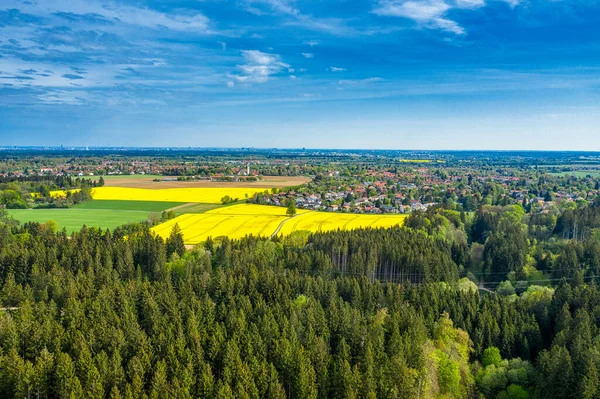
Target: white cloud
471, 3
21, 73
416, 10
335, 26
124, 14
359, 81
308, 55
428, 13
336, 69
281, 6
259, 67
448, 25
62, 97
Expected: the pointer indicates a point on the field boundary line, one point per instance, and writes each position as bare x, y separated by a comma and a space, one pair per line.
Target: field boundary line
182, 206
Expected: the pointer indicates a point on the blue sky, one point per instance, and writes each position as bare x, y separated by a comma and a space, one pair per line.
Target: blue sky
424, 74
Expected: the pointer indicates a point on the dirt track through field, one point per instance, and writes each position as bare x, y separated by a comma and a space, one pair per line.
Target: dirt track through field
286, 220
182, 206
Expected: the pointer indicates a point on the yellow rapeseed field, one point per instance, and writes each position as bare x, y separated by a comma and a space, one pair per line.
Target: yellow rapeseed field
63, 193
198, 227
323, 221
251, 209
57, 193
204, 195
261, 220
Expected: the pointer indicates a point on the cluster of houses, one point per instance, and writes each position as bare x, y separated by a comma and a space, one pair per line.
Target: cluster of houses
336, 201
544, 203
105, 168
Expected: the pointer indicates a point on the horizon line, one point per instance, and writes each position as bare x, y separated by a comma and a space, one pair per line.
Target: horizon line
169, 148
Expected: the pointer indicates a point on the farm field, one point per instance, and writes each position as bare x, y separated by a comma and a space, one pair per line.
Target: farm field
579, 173
324, 221
251, 209
416, 160
183, 195
57, 193
147, 206
73, 219
240, 220
147, 181
200, 214
197, 228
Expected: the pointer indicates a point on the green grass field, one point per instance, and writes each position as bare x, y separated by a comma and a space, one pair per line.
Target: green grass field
107, 214
73, 219
579, 173
147, 206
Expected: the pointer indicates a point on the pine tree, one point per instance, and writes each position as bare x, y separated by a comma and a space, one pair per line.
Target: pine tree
175, 243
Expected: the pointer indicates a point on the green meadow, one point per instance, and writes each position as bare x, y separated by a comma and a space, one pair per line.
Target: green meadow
106, 214
73, 219
117, 205
579, 173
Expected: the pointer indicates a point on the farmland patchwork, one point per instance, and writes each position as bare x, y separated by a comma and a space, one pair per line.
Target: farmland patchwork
201, 214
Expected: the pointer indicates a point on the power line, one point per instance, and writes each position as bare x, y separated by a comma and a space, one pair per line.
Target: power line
417, 278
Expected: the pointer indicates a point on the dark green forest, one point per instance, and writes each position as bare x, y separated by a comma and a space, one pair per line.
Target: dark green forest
394, 313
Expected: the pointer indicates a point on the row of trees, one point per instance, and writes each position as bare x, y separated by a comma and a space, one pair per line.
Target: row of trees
33, 193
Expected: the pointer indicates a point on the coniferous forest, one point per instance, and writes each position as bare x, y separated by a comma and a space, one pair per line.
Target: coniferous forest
288, 199
371, 313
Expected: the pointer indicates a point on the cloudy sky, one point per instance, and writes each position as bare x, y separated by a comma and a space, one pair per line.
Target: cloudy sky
425, 74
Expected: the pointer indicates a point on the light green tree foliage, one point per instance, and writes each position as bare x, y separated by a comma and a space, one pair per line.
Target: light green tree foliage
514, 392
6, 218
466, 285
491, 356
51, 225
504, 378
447, 359
291, 208
448, 376
505, 288
536, 294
